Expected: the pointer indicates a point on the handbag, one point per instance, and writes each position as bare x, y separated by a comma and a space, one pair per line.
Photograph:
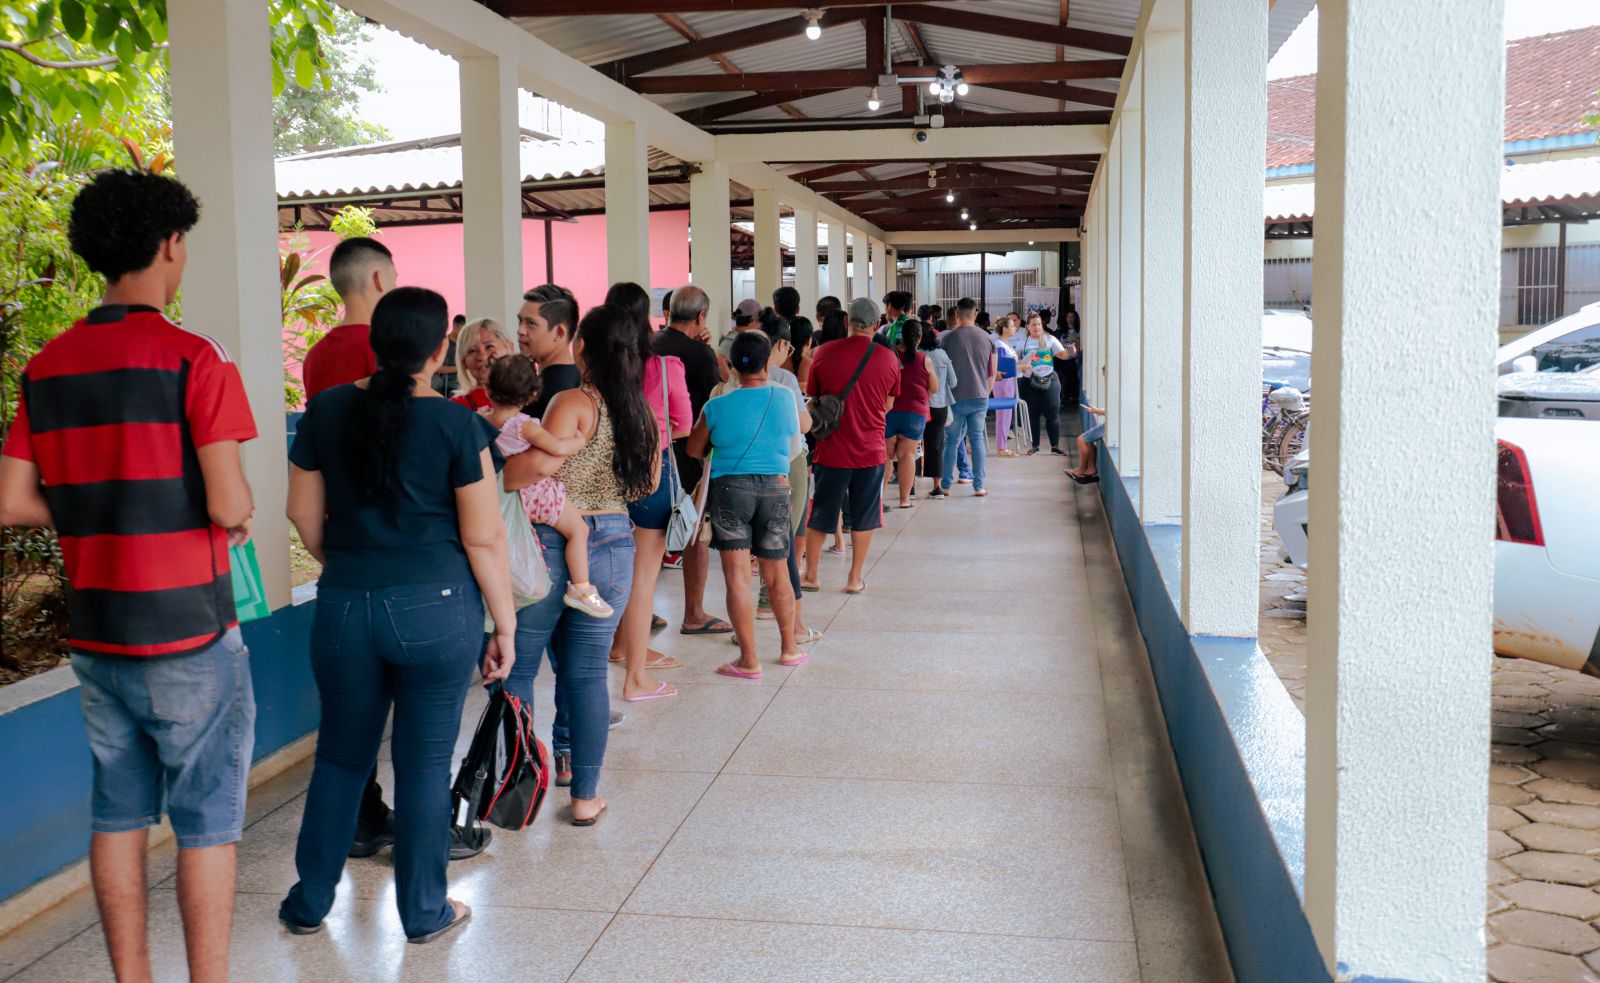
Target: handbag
683, 522
1043, 382
506, 771
827, 411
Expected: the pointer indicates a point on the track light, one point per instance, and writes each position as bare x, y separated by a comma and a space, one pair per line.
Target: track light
963, 214
973, 226
949, 197
873, 104
813, 24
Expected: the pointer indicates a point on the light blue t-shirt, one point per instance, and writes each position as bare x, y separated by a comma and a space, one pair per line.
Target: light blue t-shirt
751, 430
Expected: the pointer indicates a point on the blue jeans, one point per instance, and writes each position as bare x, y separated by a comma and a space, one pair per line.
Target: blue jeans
577, 644
415, 647
963, 461
967, 420
170, 733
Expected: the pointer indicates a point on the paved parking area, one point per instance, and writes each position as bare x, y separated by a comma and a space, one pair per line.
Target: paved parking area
1544, 791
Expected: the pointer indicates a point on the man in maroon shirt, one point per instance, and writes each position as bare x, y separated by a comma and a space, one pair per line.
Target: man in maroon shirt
848, 464
361, 270
126, 441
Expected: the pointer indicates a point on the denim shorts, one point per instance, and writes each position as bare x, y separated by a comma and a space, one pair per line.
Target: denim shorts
856, 493
904, 424
170, 734
651, 511
1094, 433
751, 512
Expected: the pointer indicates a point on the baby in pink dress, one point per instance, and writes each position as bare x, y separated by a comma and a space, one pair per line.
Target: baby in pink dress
513, 384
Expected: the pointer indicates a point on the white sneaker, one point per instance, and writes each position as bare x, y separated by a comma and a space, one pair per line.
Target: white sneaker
587, 601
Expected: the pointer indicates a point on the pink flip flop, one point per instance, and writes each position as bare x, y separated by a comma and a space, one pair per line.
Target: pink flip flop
659, 693
803, 658
729, 669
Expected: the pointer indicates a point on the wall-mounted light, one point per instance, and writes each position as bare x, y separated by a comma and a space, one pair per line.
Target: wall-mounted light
873, 104
813, 24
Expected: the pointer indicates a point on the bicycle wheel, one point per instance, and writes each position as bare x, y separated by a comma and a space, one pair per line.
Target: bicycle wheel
1271, 440
1292, 442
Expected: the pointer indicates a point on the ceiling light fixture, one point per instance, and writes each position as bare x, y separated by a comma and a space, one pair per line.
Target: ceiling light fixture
961, 88
963, 214
946, 84
813, 24
873, 104
949, 197
973, 226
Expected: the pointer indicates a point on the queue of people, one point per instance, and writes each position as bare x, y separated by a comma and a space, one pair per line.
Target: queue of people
415, 426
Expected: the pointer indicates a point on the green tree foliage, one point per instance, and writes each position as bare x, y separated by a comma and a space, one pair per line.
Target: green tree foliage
325, 115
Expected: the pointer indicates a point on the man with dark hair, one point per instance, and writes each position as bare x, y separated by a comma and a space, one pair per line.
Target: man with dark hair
896, 310
826, 304
361, 271
977, 363
683, 337
444, 377
126, 440
546, 325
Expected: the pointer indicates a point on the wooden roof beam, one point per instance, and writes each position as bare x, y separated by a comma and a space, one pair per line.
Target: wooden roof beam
749, 104
1056, 90
718, 44
966, 19
956, 181
844, 78
602, 8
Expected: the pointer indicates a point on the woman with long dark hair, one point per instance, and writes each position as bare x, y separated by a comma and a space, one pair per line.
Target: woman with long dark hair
392, 488
834, 326
908, 417
939, 401
620, 463
667, 392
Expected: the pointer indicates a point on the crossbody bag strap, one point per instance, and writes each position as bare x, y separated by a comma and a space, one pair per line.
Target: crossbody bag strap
666, 414
860, 367
756, 432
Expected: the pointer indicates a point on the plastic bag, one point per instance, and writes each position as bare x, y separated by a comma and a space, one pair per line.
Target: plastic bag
249, 593
530, 578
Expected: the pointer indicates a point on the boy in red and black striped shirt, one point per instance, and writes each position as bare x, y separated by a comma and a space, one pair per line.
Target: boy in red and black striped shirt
126, 440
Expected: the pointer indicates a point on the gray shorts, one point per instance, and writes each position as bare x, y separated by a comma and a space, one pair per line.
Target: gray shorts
751, 512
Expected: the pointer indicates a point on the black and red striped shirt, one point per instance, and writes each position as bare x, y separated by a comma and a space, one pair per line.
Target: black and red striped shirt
111, 412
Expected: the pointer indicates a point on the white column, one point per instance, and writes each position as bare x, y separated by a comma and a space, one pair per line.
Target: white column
882, 271
1112, 163
836, 284
1161, 277
710, 249
805, 259
1224, 140
1397, 733
627, 204
769, 252
491, 189
1131, 245
1096, 362
221, 77
857, 275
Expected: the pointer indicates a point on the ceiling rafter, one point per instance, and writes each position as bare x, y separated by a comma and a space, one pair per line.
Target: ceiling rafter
965, 18
609, 8
1039, 71
717, 44
721, 61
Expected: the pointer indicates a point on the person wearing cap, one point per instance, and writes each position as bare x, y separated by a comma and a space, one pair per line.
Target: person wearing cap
848, 464
744, 319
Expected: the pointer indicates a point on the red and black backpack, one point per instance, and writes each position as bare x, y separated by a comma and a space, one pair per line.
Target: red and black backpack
506, 770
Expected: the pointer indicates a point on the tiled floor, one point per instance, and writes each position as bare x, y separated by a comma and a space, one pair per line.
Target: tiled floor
970, 781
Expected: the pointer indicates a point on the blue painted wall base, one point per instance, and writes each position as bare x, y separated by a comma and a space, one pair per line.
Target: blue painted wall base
48, 771
1240, 747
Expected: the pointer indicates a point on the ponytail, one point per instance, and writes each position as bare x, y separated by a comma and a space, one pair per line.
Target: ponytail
408, 326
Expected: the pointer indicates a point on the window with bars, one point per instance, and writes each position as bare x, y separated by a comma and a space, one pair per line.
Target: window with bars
1001, 291
1530, 292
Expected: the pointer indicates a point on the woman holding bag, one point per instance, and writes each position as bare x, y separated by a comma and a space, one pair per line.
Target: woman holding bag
1040, 387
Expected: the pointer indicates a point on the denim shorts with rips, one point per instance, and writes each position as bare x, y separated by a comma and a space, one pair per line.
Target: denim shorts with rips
171, 734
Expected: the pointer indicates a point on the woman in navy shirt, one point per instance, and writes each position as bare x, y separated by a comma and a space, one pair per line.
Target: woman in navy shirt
393, 489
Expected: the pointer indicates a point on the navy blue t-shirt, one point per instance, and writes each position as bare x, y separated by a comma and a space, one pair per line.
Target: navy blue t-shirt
418, 539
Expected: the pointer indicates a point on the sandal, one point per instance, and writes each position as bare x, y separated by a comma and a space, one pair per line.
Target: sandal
812, 635
462, 913
661, 692
711, 626
663, 661
657, 623
798, 660
856, 590
731, 669
592, 820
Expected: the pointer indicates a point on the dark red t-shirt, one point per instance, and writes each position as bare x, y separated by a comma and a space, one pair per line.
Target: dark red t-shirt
112, 413
858, 443
476, 399
343, 355
913, 396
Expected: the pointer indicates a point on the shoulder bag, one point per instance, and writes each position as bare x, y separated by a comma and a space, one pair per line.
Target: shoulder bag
506, 771
827, 411
683, 522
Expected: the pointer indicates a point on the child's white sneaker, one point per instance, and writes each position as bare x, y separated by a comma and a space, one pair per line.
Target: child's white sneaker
587, 600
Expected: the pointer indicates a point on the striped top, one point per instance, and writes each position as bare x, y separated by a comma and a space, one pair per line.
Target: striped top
111, 412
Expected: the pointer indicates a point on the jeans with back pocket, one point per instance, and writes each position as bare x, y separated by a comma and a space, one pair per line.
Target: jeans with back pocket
413, 647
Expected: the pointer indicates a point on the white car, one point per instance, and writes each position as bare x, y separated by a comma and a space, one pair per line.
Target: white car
1547, 548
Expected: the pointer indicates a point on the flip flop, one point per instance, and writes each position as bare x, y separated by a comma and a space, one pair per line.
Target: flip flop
461, 917
663, 662
908, 505
791, 663
657, 623
711, 626
594, 819
837, 552
1084, 479
659, 693
812, 635
729, 669
856, 590
810, 588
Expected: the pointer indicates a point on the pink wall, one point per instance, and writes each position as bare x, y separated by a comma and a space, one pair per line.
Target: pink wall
430, 256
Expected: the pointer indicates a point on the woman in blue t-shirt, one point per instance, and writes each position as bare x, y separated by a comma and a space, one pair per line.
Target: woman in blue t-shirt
393, 489
747, 434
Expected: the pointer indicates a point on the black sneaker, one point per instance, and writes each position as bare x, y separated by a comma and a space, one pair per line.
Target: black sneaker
1058, 452
468, 841
563, 768
373, 833
938, 493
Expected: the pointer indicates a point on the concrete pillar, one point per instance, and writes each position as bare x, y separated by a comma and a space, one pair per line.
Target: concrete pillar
710, 248
1112, 392
1130, 305
627, 204
857, 273
221, 77
836, 283
882, 271
491, 189
1224, 139
1397, 729
805, 259
769, 252
1161, 279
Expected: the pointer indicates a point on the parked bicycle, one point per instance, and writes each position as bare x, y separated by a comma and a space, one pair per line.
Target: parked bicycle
1285, 414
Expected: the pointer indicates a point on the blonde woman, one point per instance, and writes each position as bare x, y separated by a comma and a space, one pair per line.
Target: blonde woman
481, 342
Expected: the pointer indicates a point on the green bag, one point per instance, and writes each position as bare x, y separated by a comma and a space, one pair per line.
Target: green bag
249, 593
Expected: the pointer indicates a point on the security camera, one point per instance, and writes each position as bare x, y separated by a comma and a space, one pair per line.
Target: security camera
921, 136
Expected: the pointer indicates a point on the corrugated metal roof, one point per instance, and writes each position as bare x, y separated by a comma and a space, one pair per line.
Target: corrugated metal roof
1572, 182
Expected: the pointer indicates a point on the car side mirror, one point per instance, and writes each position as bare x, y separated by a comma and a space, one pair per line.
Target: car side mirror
1525, 363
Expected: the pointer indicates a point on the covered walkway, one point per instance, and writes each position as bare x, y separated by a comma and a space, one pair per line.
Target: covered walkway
970, 781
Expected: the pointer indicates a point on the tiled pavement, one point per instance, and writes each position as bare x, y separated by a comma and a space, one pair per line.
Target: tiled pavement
1544, 793
970, 781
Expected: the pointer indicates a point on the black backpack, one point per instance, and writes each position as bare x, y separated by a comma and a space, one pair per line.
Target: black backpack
506, 771
827, 411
